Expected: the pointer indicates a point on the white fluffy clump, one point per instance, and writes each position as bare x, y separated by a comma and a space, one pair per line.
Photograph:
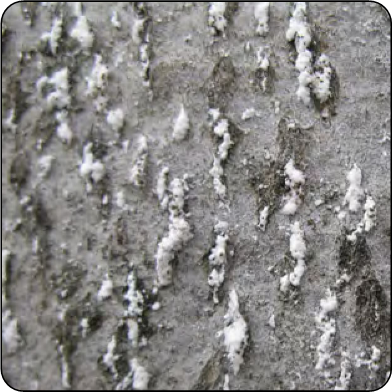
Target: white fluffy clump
263, 219
235, 333
367, 222
181, 125
217, 260
262, 17
133, 297
162, 187
9, 324
263, 64
179, 233
140, 376
248, 113
58, 98
294, 179
141, 36
262, 57
8, 122
133, 332
137, 30
54, 35
106, 289
45, 165
115, 118
85, 326
226, 383
90, 169
343, 384
216, 16
370, 213
138, 170
65, 370
217, 172
110, 358
114, 20
10, 331
354, 193
297, 250
63, 131
82, 33
98, 78
220, 128
299, 31
372, 363
327, 325
322, 78
137, 378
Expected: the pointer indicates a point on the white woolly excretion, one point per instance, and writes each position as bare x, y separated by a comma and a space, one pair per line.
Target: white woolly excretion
181, 125
133, 332
81, 32
216, 16
106, 289
138, 170
140, 376
115, 20
343, 384
327, 325
137, 378
263, 219
110, 358
370, 213
10, 331
354, 193
373, 363
220, 127
322, 78
368, 221
137, 31
65, 371
248, 113
235, 333
297, 250
45, 165
91, 169
58, 98
133, 297
299, 31
262, 17
216, 172
97, 80
217, 260
115, 118
162, 187
294, 179
54, 35
63, 130
179, 233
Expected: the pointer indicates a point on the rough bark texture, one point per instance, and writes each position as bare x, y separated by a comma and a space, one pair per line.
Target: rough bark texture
80, 238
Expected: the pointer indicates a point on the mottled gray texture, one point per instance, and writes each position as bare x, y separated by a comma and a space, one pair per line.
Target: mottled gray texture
186, 352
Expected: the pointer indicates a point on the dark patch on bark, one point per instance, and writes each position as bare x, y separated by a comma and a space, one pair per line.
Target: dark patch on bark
19, 171
354, 257
210, 375
219, 85
370, 313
